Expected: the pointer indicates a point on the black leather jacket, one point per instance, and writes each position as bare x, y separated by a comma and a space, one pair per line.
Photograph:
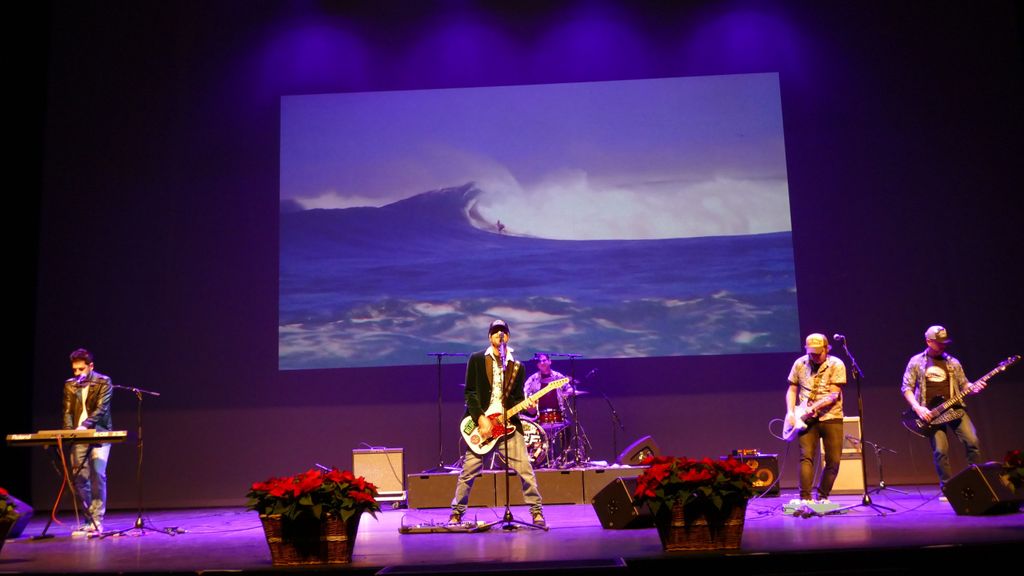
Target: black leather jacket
97, 403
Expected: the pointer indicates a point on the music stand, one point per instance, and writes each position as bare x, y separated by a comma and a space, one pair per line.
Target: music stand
857, 377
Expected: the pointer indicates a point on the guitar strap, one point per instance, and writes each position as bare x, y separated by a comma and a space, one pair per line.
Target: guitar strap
510, 377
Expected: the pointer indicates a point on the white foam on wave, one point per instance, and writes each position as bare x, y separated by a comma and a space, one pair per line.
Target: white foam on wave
568, 205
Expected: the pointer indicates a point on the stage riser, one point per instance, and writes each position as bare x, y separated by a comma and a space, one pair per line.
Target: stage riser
556, 487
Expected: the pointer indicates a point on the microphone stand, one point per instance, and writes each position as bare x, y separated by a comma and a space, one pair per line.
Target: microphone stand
140, 524
440, 468
508, 521
857, 377
616, 426
878, 448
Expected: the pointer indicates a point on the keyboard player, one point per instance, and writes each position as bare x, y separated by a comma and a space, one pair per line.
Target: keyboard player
87, 406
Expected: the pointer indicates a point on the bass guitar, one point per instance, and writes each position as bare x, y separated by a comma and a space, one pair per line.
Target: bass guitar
480, 444
943, 411
803, 413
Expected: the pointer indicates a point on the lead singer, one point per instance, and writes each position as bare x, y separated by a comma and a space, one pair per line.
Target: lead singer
494, 383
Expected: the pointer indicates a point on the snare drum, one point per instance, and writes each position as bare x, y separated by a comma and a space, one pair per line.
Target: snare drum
536, 440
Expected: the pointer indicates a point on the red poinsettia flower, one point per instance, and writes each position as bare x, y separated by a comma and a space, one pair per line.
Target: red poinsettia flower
669, 480
314, 492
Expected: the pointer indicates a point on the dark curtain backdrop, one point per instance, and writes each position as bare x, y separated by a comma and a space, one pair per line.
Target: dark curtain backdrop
150, 199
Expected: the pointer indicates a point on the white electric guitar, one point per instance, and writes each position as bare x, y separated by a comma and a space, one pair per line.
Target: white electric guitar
791, 428
480, 444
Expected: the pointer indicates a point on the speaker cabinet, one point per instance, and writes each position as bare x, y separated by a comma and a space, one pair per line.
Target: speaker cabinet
850, 479
982, 489
638, 451
24, 512
382, 466
615, 509
595, 480
766, 472
437, 490
556, 487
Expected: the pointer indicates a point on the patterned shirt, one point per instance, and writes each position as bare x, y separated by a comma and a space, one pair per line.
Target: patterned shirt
915, 377
813, 385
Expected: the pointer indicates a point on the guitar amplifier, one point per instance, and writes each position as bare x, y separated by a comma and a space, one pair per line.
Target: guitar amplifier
766, 472
384, 467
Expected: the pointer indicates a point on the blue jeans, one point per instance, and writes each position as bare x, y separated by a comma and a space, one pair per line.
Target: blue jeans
518, 461
90, 462
964, 430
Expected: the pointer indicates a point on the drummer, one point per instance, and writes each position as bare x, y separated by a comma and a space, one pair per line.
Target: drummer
551, 411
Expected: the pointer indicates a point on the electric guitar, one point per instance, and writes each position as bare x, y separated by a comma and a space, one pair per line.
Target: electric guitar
943, 411
805, 412
482, 445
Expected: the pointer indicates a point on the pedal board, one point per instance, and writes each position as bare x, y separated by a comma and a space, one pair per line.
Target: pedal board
443, 527
808, 508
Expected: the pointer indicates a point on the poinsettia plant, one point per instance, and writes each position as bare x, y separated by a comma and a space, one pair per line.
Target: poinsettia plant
1014, 464
7, 509
315, 493
670, 479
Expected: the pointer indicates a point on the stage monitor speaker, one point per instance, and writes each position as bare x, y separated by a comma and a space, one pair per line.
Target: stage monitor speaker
384, 467
615, 509
983, 489
638, 451
24, 512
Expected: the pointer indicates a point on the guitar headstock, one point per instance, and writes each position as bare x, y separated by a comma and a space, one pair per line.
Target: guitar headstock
1008, 362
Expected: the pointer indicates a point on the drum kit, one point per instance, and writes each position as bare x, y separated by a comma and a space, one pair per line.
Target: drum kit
554, 437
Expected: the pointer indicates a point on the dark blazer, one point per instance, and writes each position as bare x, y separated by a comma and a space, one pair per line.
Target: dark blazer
97, 404
478, 386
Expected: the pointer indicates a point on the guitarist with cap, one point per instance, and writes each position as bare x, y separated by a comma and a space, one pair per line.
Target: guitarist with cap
929, 375
494, 383
815, 382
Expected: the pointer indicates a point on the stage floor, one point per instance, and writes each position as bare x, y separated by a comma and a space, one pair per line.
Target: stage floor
231, 539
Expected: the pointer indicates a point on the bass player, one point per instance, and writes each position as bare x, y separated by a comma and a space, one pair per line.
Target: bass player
935, 373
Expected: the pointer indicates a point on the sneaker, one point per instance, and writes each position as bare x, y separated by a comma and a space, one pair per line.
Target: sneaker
943, 498
455, 518
538, 519
88, 530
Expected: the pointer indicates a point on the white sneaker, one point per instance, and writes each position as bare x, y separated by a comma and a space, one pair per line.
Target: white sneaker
943, 498
87, 530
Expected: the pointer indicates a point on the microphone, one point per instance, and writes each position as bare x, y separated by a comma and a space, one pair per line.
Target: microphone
838, 337
501, 350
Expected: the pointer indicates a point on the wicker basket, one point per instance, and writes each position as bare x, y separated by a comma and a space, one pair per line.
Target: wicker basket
702, 526
310, 541
5, 528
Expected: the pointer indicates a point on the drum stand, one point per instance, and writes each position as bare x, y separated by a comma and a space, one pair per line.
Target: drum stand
577, 444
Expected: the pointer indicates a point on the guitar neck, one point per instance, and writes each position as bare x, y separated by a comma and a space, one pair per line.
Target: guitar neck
961, 394
534, 397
